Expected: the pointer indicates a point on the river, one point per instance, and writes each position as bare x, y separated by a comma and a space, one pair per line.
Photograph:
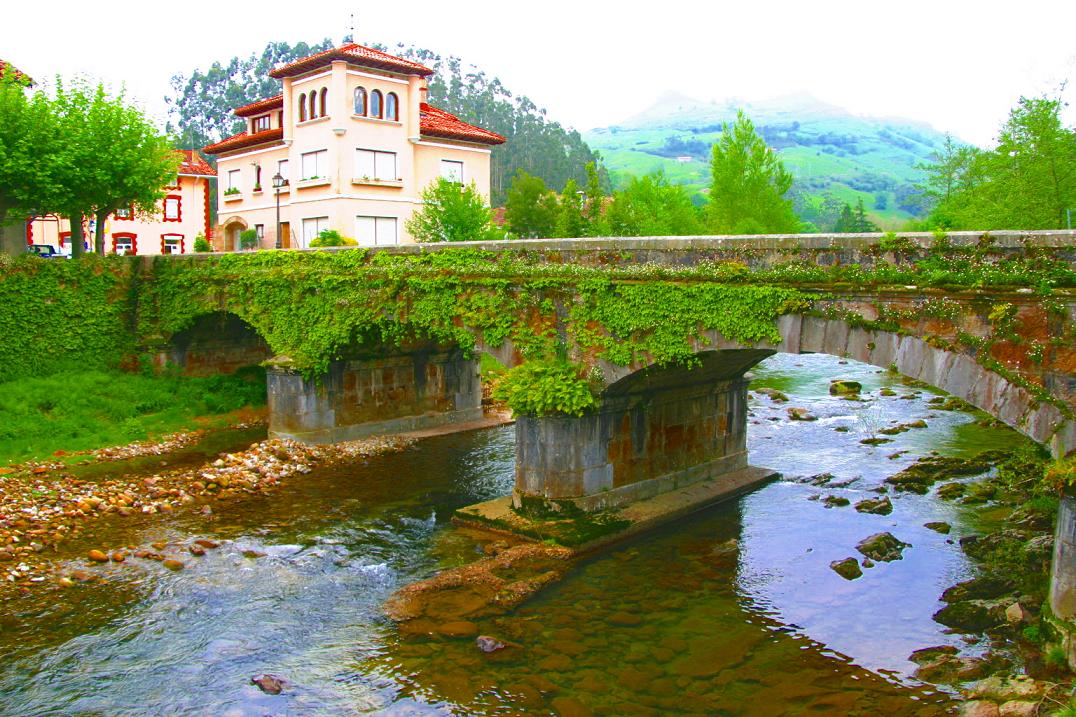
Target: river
734, 611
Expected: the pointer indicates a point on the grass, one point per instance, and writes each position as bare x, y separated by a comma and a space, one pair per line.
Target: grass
75, 411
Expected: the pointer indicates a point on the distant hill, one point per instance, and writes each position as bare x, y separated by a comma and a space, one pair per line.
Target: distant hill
830, 151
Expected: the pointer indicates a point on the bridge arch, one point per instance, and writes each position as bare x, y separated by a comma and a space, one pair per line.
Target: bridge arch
216, 342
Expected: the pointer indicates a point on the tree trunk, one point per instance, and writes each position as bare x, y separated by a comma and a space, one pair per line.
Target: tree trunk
99, 232
76, 234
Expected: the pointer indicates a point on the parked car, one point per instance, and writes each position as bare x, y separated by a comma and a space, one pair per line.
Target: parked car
44, 251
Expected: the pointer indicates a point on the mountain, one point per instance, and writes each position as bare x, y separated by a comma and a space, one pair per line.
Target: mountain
829, 151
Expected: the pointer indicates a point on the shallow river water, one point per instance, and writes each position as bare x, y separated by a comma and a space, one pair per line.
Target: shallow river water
734, 611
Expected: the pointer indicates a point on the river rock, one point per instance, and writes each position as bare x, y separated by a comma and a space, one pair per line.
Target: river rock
979, 708
938, 527
931, 654
458, 628
1005, 688
159, 545
6, 555
847, 568
836, 501
1017, 613
486, 643
878, 506
570, 707
269, 684
196, 550
118, 556
928, 470
796, 413
97, 556
887, 392
1040, 547
773, 394
951, 491
882, 547
843, 387
207, 543
971, 615
253, 554
174, 565
1019, 708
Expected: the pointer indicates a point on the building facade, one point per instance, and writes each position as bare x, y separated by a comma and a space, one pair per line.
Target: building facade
183, 216
356, 142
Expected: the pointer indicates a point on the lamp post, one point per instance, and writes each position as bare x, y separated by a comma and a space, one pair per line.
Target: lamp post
278, 182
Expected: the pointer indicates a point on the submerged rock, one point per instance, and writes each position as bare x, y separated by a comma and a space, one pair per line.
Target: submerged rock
486, 643
773, 394
878, 506
928, 470
847, 568
458, 628
835, 501
938, 527
269, 684
882, 547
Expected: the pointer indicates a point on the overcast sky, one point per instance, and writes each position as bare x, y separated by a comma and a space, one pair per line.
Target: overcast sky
959, 66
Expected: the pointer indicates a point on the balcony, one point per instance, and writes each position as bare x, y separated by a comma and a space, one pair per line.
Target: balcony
312, 182
374, 182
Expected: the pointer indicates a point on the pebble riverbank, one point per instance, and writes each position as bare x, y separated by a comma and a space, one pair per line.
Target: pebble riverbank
43, 505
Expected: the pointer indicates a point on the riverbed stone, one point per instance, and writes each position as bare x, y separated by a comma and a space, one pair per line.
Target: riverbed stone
487, 643
951, 491
971, 615
174, 565
847, 568
1005, 688
938, 527
1017, 613
984, 587
883, 547
773, 394
796, 413
570, 707
458, 628
269, 684
877, 506
844, 387
1018, 708
835, 501
97, 556
979, 708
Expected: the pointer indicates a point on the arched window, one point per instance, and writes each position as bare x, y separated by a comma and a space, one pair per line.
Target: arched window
360, 101
312, 98
324, 94
392, 106
302, 108
375, 103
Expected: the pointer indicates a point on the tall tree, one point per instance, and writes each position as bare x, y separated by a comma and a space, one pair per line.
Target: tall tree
28, 134
1027, 182
530, 209
748, 184
594, 207
570, 220
451, 213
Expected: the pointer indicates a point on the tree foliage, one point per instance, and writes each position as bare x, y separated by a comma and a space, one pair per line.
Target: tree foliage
27, 134
1027, 182
651, 206
531, 210
748, 184
451, 212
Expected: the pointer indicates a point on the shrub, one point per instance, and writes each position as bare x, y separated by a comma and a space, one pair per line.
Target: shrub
331, 237
248, 238
544, 388
201, 244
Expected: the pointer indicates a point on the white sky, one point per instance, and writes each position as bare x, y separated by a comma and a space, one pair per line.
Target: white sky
959, 66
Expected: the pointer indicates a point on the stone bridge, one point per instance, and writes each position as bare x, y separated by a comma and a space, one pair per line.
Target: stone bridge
658, 332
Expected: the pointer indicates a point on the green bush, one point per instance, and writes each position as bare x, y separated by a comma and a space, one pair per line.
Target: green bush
540, 388
201, 244
248, 238
331, 237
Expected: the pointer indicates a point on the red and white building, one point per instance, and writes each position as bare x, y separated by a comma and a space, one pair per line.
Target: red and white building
183, 215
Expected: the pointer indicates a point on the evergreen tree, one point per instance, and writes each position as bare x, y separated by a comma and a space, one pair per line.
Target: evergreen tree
594, 205
570, 220
651, 206
748, 184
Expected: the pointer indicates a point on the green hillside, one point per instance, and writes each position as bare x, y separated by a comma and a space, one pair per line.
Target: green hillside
829, 151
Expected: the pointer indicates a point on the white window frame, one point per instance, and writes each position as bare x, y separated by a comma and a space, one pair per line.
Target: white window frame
377, 231
235, 178
452, 170
123, 245
282, 168
319, 159
177, 238
176, 202
376, 164
319, 225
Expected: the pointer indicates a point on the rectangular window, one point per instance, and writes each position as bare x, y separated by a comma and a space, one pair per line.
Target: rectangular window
260, 228
316, 164
452, 170
124, 213
312, 227
172, 243
172, 209
375, 231
372, 164
261, 123
282, 168
234, 178
124, 245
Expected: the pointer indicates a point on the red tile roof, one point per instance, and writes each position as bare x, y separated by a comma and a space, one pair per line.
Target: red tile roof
243, 140
18, 75
436, 122
193, 164
269, 103
355, 54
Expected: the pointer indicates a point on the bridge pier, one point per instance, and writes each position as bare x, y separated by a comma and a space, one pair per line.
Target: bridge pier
374, 395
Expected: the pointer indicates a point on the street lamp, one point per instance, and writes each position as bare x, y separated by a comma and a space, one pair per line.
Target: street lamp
278, 182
